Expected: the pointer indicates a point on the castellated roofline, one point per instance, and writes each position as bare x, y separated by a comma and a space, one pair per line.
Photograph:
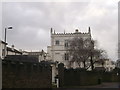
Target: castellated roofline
76, 32
67, 33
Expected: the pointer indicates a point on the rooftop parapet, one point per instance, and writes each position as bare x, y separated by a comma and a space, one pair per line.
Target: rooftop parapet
76, 32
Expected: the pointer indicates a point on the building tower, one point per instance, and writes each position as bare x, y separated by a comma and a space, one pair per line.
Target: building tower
59, 42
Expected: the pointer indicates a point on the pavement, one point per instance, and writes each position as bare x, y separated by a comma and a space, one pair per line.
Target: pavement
109, 85
104, 85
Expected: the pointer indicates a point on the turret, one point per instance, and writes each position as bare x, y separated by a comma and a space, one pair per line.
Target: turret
51, 30
64, 31
89, 30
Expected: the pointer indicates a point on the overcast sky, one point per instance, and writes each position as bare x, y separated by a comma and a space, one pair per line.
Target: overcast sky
32, 21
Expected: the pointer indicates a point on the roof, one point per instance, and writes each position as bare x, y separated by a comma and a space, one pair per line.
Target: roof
37, 52
15, 50
4, 42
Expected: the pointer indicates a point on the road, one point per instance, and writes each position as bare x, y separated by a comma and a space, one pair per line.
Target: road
105, 85
110, 86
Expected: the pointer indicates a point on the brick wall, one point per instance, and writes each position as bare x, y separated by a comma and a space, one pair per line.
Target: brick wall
26, 75
80, 77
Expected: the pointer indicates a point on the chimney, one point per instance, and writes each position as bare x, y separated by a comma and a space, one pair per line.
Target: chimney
51, 30
13, 47
89, 30
20, 50
64, 31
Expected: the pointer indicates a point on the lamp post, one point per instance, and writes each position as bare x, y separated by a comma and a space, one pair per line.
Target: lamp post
5, 40
6, 32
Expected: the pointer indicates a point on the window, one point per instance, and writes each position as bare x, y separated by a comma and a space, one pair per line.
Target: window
57, 42
66, 43
66, 56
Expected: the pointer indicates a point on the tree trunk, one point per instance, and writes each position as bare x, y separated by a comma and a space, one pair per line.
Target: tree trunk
84, 64
91, 61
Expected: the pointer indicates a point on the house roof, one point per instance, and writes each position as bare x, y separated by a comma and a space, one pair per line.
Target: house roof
15, 50
4, 42
37, 52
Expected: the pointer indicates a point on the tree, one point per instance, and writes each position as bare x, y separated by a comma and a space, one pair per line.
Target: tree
83, 51
95, 57
79, 50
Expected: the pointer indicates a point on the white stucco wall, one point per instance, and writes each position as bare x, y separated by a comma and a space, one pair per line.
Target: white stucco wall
49, 55
10, 53
108, 65
2, 45
58, 51
1, 49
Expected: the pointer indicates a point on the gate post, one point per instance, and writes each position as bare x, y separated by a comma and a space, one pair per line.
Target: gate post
61, 74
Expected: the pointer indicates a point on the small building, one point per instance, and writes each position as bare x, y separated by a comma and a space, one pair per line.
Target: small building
3, 49
40, 54
13, 51
24, 52
6, 50
107, 64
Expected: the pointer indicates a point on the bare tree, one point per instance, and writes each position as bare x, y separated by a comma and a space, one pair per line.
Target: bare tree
83, 51
79, 50
95, 57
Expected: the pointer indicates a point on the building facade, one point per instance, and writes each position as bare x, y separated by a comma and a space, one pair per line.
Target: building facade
108, 65
6, 50
59, 43
57, 52
13, 51
0, 49
3, 49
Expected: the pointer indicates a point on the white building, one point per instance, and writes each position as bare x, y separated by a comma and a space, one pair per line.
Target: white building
59, 43
108, 64
57, 51
0, 49
3, 49
13, 51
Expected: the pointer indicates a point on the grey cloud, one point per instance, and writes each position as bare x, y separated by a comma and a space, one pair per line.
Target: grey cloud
32, 22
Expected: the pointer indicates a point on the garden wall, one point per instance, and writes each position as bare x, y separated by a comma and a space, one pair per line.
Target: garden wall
26, 75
